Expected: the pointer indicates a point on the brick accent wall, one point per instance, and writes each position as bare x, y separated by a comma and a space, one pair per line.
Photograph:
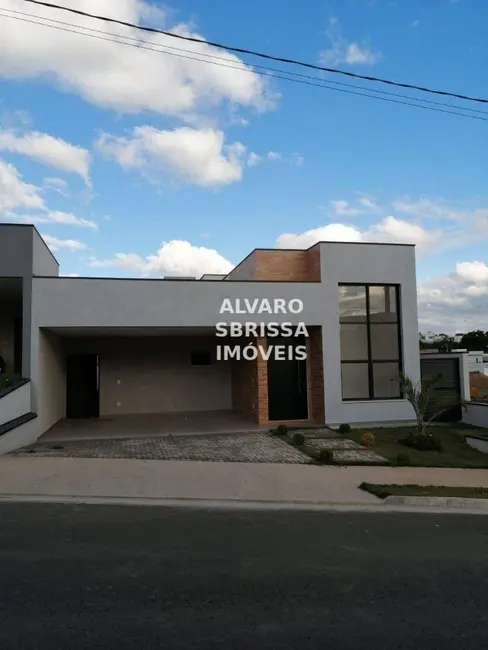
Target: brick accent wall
244, 377
287, 266
316, 376
262, 383
250, 387
280, 265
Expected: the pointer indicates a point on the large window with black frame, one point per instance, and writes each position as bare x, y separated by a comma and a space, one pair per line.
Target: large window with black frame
371, 358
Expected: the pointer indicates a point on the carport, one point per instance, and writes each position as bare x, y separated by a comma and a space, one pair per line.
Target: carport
149, 425
132, 382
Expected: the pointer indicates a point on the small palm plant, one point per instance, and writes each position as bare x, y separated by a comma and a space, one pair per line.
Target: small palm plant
419, 395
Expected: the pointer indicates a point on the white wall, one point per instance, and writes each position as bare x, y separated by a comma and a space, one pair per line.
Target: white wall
89, 302
51, 384
155, 375
362, 264
43, 261
15, 404
476, 414
26, 434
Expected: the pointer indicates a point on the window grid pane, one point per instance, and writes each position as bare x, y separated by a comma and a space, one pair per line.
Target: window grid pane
383, 361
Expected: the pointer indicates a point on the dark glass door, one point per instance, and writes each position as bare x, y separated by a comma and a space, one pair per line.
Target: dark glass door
287, 384
82, 386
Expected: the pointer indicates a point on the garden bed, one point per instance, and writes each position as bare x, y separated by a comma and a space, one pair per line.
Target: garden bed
327, 449
455, 451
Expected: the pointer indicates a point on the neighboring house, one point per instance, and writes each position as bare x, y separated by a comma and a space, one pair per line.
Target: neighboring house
477, 360
94, 347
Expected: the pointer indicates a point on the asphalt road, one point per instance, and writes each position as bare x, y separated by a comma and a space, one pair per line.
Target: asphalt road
86, 577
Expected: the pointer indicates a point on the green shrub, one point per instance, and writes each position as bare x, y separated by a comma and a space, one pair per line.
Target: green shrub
298, 439
326, 456
345, 428
281, 430
403, 459
421, 442
8, 380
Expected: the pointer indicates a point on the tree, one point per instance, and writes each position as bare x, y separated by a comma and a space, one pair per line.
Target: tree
475, 340
445, 342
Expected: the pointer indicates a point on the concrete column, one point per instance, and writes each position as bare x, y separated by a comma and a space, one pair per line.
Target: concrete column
26, 326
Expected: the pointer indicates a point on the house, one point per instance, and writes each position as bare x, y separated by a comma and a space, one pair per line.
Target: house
330, 327
477, 360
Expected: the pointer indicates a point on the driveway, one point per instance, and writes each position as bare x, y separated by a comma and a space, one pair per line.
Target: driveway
236, 448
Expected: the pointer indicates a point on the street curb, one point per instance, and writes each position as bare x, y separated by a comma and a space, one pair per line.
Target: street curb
415, 505
438, 502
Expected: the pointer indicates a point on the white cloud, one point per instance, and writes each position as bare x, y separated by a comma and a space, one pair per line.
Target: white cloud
388, 229
344, 51
344, 209
54, 217
70, 245
274, 157
174, 258
195, 156
330, 232
15, 193
368, 202
473, 272
391, 229
428, 208
457, 301
253, 159
48, 150
58, 185
126, 79
68, 219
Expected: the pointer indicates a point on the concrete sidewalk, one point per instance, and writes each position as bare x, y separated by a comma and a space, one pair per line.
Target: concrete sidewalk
126, 479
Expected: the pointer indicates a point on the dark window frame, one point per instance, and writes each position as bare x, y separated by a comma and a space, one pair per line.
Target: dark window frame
370, 362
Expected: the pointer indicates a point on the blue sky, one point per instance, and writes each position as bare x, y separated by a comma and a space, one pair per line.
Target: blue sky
132, 162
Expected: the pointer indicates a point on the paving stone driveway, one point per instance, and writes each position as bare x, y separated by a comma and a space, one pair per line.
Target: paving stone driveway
243, 447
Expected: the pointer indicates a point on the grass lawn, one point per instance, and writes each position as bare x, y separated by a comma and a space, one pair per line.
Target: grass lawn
383, 491
455, 453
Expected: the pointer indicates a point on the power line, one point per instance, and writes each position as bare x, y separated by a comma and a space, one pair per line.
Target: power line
262, 55
244, 69
319, 83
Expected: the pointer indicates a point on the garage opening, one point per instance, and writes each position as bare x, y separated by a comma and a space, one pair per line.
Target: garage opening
447, 389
